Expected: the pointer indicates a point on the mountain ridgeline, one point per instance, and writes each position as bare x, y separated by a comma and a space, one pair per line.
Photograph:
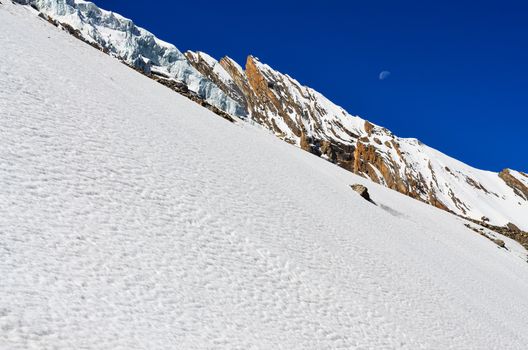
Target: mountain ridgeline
303, 117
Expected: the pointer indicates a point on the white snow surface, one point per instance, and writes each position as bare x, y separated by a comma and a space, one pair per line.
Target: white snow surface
133, 218
134, 44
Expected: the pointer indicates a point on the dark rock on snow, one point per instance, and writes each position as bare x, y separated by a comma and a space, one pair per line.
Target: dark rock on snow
362, 190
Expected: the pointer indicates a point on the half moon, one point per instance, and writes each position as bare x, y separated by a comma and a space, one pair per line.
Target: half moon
384, 75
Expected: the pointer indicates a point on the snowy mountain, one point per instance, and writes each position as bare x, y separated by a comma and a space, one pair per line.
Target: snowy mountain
134, 218
304, 117
120, 37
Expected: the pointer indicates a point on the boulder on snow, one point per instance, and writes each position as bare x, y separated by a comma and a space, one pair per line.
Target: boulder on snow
362, 190
513, 227
499, 242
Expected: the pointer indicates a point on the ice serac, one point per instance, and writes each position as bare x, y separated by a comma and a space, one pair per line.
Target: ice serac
136, 46
302, 116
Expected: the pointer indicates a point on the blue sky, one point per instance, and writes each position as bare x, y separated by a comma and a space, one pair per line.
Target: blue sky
459, 69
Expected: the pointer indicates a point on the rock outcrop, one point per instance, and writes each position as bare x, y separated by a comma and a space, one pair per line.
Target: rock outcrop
362, 191
509, 230
518, 181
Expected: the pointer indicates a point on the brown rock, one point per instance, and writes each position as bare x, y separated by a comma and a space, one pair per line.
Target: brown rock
518, 187
499, 242
368, 127
327, 149
513, 227
305, 142
364, 139
366, 157
362, 190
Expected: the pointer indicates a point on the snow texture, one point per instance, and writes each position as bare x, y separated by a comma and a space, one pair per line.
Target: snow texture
133, 218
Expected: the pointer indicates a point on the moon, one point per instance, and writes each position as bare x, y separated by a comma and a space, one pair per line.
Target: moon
384, 75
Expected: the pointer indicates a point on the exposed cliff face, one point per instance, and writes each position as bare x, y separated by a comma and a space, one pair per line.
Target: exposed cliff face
295, 113
518, 181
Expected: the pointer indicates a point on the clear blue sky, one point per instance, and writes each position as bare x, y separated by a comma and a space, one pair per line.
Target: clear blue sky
459, 79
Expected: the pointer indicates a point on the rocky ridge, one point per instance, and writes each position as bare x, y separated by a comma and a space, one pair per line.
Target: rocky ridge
304, 117
517, 180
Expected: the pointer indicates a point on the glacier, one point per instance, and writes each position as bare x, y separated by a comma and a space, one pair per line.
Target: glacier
134, 45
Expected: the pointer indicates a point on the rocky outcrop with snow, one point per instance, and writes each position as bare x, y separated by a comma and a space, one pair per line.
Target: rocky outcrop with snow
302, 116
136, 46
517, 180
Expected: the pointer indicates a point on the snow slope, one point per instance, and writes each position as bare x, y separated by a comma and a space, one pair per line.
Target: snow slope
133, 218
